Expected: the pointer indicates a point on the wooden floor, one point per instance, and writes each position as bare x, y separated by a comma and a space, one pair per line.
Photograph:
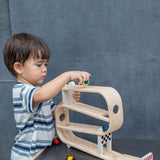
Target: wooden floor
137, 148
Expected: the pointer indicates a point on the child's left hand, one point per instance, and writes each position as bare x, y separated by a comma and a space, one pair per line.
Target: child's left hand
76, 95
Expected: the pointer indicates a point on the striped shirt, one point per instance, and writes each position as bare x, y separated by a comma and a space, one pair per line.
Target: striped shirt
36, 126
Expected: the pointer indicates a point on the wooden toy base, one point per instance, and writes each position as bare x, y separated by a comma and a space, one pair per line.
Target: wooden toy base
70, 139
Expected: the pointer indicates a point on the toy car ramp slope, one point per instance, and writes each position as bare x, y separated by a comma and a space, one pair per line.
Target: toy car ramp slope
113, 120
70, 139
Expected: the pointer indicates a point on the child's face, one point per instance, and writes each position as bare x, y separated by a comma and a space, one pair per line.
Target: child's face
34, 71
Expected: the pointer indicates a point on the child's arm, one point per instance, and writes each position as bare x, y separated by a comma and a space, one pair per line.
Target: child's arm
53, 87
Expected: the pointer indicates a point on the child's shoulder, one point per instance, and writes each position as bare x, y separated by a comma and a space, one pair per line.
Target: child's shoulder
23, 85
20, 87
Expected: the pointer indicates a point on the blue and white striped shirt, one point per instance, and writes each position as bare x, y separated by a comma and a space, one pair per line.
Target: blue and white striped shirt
36, 126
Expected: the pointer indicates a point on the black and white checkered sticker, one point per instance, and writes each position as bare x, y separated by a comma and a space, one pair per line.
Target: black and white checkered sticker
106, 138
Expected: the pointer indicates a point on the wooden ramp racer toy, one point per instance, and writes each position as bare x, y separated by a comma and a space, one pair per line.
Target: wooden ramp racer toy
113, 120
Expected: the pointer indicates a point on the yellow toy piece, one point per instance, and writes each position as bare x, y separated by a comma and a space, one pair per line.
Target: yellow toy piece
70, 158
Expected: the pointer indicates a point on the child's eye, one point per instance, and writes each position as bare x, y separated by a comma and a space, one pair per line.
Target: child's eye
46, 64
39, 65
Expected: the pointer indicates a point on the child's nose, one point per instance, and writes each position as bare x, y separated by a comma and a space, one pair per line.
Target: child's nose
44, 69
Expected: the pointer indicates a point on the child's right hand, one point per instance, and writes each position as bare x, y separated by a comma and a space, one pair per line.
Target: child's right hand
53, 87
79, 76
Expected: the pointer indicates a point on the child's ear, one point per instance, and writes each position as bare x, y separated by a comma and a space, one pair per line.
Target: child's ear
18, 67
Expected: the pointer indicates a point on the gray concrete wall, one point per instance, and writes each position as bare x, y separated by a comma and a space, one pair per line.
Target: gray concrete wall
7, 124
117, 41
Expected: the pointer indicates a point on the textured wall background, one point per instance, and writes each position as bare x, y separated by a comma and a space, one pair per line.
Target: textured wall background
117, 41
7, 125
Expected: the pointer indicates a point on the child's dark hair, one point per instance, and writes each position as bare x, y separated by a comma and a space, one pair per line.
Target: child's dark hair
22, 46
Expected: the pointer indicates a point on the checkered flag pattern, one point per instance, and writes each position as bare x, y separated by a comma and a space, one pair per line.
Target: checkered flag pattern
106, 138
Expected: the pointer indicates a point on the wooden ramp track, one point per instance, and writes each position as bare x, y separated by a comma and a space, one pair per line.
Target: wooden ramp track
110, 95
78, 127
91, 148
65, 128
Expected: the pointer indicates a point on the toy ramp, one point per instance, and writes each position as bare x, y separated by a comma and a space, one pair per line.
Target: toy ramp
114, 121
110, 95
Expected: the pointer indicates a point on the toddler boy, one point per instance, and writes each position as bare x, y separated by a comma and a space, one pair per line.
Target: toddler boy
26, 57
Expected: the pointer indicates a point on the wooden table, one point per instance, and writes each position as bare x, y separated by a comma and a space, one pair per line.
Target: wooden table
133, 147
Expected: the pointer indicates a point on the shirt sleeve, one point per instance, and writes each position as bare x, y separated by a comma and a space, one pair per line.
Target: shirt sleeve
27, 99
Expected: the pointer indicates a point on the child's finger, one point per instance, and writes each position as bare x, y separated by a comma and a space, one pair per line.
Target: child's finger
76, 95
86, 76
80, 79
